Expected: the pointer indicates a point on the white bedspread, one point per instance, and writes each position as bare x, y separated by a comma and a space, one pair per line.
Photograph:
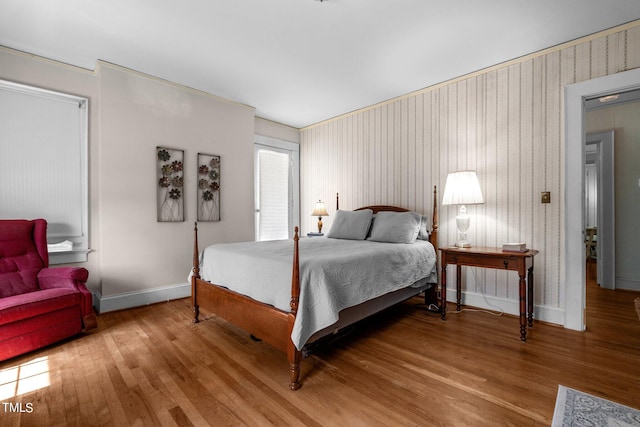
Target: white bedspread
334, 274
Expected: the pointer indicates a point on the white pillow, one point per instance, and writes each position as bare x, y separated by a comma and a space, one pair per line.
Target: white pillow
396, 227
351, 225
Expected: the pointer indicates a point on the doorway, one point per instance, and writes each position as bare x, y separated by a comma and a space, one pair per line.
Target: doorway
276, 190
599, 215
575, 142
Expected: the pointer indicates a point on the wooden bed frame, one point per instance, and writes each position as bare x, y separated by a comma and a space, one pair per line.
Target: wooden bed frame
270, 324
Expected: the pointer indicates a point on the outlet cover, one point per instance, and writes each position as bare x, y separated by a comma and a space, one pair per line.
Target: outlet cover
546, 197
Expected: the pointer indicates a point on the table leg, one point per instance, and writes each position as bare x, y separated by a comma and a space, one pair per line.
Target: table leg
443, 291
530, 295
523, 307
458, 286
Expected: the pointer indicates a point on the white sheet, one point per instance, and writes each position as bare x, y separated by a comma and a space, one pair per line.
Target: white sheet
334, 274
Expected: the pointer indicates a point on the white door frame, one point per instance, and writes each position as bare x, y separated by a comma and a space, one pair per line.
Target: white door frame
575, 137
293, 149
606, 207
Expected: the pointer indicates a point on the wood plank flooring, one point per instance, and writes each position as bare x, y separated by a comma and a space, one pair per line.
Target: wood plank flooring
150, 366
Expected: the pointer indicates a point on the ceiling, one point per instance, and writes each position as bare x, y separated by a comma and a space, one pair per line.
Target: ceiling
299, 62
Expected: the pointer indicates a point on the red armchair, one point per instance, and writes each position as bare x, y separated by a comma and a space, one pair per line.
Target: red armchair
38, 305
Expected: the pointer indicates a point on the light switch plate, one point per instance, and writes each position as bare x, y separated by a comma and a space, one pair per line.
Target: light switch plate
546, 197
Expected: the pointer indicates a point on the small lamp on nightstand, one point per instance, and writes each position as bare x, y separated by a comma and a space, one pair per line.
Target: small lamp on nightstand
462, 188
320, 211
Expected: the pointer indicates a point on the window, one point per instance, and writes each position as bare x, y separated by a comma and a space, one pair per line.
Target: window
43, 164
276, 188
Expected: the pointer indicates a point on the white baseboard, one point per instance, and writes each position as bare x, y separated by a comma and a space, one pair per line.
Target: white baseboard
476, 300
104, 304
627, 284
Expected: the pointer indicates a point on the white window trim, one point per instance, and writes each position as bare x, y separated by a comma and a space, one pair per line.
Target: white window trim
80, 243
294, 149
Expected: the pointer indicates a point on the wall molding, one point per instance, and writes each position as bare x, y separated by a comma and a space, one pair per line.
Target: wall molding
627, 284
36, 57
105, 304
102, 63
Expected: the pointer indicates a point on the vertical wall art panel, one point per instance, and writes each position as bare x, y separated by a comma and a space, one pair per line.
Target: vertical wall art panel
208, 187
170, 182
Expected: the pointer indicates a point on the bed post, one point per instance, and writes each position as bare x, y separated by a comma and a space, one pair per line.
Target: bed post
431, 295
195, 275
434, 223
293, 354
434, 241
295, 275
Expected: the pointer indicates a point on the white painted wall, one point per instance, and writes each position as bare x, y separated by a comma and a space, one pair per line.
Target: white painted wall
135, 259
138, 113
507, 123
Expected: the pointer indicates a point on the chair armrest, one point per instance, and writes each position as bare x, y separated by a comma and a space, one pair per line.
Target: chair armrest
50, 276
72, 278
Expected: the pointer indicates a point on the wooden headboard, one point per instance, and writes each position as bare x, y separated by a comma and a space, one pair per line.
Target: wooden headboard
382, 208
433, 234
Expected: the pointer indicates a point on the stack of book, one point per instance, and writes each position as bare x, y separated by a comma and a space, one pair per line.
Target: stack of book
514, 247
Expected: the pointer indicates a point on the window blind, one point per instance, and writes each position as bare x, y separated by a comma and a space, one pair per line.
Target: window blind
43, 163
274, 169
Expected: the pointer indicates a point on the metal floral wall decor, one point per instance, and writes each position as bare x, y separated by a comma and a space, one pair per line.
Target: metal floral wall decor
208, 187
170, 183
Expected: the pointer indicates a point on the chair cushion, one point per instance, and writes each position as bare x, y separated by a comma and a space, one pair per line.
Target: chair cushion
20, 260
23, 306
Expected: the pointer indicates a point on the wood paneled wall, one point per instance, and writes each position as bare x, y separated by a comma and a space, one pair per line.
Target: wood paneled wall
505, 122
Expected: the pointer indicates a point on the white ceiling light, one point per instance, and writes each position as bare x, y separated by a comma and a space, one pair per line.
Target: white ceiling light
609, 98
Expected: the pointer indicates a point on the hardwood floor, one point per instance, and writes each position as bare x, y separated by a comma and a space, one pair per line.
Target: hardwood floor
151, 366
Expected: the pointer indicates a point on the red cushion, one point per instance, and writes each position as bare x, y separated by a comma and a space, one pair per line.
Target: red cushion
22, 254
23, 306
18, 282
35, 332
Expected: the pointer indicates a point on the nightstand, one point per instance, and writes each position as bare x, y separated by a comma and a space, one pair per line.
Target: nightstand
522, 262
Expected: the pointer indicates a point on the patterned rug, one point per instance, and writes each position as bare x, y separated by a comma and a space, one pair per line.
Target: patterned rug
575, 408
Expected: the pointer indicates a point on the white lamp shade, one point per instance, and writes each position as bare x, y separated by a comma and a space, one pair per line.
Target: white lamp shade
320, 210
462, 188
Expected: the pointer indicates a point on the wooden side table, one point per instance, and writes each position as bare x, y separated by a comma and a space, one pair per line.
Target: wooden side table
484, 257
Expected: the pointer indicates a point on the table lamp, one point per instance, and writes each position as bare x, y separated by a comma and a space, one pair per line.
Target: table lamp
320, 211
462, 188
